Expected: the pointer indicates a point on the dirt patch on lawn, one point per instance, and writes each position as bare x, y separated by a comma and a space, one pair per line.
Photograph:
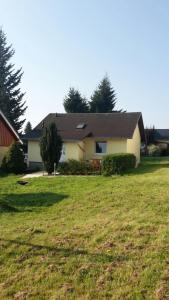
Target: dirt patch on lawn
162, 291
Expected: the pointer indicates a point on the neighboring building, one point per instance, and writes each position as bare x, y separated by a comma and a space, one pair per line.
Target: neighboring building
160, 137
7, 135
89, 136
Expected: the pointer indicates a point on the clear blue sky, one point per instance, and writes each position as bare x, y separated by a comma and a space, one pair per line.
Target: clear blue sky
63, 43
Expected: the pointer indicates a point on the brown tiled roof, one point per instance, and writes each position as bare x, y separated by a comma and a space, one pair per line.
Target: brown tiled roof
98, 125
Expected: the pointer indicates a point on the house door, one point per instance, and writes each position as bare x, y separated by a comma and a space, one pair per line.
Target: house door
63, 155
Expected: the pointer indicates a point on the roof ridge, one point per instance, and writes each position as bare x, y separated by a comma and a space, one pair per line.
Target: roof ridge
107, 113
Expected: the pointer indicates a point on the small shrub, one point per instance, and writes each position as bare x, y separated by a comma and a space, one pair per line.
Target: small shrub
154, 150
13, 161
74, 167
63, 168
117, 163
165, 152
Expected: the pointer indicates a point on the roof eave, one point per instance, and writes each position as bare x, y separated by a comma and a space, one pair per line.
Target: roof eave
141, 128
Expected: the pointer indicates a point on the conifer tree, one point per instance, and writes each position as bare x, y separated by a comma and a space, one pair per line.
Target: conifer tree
103, 99
50, 147
28, 128
13, 161
75, 103
11, 97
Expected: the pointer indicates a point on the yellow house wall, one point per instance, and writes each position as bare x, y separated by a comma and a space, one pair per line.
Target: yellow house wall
113, 146
34, 151
133, 145
81, 150
73, 150
3, 150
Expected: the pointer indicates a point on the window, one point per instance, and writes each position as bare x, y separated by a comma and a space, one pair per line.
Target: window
101, 147
80, 126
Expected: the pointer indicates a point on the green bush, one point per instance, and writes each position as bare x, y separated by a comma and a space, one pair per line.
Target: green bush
165, 152
117, 163
13, 161
74, 167
154, 150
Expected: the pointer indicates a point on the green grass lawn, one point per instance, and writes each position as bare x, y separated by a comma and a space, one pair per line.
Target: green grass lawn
86, 237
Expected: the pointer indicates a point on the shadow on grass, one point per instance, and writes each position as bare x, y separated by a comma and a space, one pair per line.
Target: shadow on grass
23, 202
2, 174
35, 250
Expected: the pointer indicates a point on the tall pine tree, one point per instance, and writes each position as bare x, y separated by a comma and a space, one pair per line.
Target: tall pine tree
28, 128
103, 99
11, 97
75, 103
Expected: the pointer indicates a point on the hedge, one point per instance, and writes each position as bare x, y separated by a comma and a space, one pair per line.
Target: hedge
74, 167
117, 163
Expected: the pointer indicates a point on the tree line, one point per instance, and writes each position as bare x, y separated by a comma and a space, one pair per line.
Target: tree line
103, 100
